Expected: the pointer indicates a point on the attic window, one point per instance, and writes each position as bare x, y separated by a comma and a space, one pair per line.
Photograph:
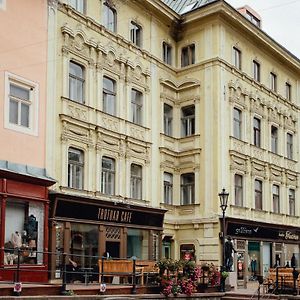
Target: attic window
252, 18
188, 8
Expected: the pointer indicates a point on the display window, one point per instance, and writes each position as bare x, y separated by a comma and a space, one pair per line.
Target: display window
187, 252
292, 255
254, 260
24, 232
138, 243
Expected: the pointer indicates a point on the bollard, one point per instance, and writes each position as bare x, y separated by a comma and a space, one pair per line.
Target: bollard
18, 284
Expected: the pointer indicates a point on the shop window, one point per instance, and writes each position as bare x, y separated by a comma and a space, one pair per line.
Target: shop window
79, 5
238, 189
84, 245
292, 206
24, 231
187, 252
254, 260
274, 139
76, 82
188, 120
168, 119
256, 132
187, 189
138, 243
292, 255
136, 107
258, 194
168, 188
136, 34
136, 181
109, 17
237, 123
167, 53
276, 200
188, 55
75, 168
109, 96
289, 146
108, 176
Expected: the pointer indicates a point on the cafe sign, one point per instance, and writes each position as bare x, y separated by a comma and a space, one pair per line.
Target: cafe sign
253, 231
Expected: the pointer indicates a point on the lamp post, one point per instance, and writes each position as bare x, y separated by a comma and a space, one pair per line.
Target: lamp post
223, 204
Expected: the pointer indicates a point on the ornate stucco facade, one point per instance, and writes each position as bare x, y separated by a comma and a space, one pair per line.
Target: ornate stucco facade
203, 94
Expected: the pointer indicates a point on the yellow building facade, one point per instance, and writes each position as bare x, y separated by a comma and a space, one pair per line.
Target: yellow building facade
154, 108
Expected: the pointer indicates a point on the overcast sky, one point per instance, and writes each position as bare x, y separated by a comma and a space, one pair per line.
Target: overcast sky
280, 20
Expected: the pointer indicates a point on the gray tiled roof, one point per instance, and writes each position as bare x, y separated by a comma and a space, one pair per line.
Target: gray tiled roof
183, 6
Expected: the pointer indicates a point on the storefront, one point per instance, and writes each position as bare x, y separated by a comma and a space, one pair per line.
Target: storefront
24, 226
88, 228
260, 246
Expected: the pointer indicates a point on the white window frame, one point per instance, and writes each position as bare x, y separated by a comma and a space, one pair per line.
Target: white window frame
74, 4
276, 198
168, 119
288, 91
167, 53
32, 129
136, 107
136, 33
256, 70
136, 182
237, 57
75, 82
292, 202
237, 123
274, 139
258, 193
289, 145
188, 121
187, 189
72, 165
273, 82
238, 190
107, 12
168, 188
109, 96
108, 177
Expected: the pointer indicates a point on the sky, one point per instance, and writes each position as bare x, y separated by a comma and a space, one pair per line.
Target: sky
280, 20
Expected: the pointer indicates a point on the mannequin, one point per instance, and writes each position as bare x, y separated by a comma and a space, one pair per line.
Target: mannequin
16, 239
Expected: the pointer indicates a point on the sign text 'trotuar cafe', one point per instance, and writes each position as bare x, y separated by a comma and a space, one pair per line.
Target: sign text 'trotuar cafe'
112, 215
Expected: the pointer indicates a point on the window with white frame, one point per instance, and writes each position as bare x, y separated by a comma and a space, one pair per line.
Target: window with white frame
108, 176
289, 146
136, 107
188, 120
109, 96
136, 181
75, 168
276, 203
188, 55
168, 119
187, 189
238, 190
237, 123
168, 188
273, 82
256, 70
79, 5
167, 53
288, 91
256, 132
21, 109
76, 82
258, 193
237, 56
292, 204
136, 34
274, 139
109, 17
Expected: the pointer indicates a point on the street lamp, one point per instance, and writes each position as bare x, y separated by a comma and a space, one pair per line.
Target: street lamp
223, 204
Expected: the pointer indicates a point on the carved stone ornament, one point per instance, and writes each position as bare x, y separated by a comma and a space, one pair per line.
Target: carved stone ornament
258, 169
238, 163
53, 4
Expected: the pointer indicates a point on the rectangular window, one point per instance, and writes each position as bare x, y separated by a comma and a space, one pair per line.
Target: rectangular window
256, 132
238, 189
79, 5
288, 91
168, 188
136, 107
292, 208
289, 145
76, 82
75, 168
237, 55
274, 139
136, 34
237, 123
168, 119
273, 82
109, 17
275, 192
167, 53
188, 120
258, 194
136, 181
109, 96
256, 70
187, 189
188, 55
108, 176
138, 243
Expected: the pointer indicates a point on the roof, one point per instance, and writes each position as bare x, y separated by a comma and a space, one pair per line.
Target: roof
184, 6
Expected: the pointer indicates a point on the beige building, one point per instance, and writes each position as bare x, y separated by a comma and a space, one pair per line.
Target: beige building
158, 105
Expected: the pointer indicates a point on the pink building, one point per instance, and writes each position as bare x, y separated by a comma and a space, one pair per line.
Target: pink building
23, 179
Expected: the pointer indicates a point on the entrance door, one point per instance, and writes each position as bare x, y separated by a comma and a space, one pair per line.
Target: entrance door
113, 248
267, 257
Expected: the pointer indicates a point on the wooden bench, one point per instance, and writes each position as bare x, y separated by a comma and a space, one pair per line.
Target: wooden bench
150, 269
285, 279
122, 268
